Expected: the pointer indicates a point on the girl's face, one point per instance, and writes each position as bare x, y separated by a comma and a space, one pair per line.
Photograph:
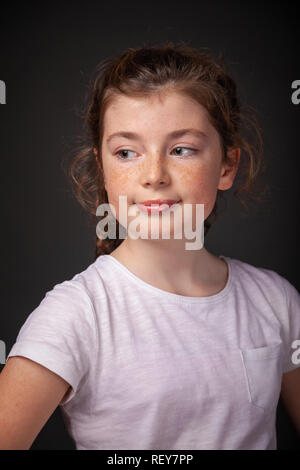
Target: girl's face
175, 152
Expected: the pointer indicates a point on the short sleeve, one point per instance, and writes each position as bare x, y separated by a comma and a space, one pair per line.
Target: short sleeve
291, 327
60, 335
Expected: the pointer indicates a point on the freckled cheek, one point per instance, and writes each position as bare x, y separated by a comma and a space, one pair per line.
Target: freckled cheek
119, 183
197, 181
199, 185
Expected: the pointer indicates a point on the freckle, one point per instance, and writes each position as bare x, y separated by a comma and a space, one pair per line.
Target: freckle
187, 174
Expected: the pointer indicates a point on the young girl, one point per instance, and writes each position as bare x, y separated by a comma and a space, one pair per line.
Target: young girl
155, 346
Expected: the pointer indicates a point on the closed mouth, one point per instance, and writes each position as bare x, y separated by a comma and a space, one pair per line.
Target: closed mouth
158, 203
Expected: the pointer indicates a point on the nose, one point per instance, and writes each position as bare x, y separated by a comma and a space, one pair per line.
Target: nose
154, 171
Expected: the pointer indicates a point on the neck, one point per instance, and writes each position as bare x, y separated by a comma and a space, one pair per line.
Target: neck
168, 264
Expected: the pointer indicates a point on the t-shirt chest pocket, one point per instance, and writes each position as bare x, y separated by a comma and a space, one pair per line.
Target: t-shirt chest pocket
263, 374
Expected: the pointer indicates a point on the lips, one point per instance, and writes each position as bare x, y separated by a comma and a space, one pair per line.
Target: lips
158, 202
156, 206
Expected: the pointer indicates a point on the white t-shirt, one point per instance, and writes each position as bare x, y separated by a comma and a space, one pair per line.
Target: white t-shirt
150, 369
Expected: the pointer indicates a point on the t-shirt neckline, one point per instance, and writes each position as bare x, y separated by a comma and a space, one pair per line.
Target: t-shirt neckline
170, 295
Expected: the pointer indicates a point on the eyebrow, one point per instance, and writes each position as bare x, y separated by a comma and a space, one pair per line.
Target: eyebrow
174, 134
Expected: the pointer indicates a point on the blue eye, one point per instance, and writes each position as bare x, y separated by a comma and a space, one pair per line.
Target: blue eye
121, 156
186, 148
123, 150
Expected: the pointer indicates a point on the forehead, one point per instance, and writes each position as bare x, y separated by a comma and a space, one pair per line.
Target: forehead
170, 110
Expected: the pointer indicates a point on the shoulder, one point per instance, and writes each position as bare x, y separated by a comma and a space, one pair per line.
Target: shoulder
71, 302
86, 294
260, 276
94, 281
262, 281
82, 287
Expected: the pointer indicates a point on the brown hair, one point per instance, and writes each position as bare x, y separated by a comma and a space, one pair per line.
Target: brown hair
150, 69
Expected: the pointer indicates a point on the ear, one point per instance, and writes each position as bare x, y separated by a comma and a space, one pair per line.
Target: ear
229, 168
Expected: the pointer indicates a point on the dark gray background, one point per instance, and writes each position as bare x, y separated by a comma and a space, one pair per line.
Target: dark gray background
47, 52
